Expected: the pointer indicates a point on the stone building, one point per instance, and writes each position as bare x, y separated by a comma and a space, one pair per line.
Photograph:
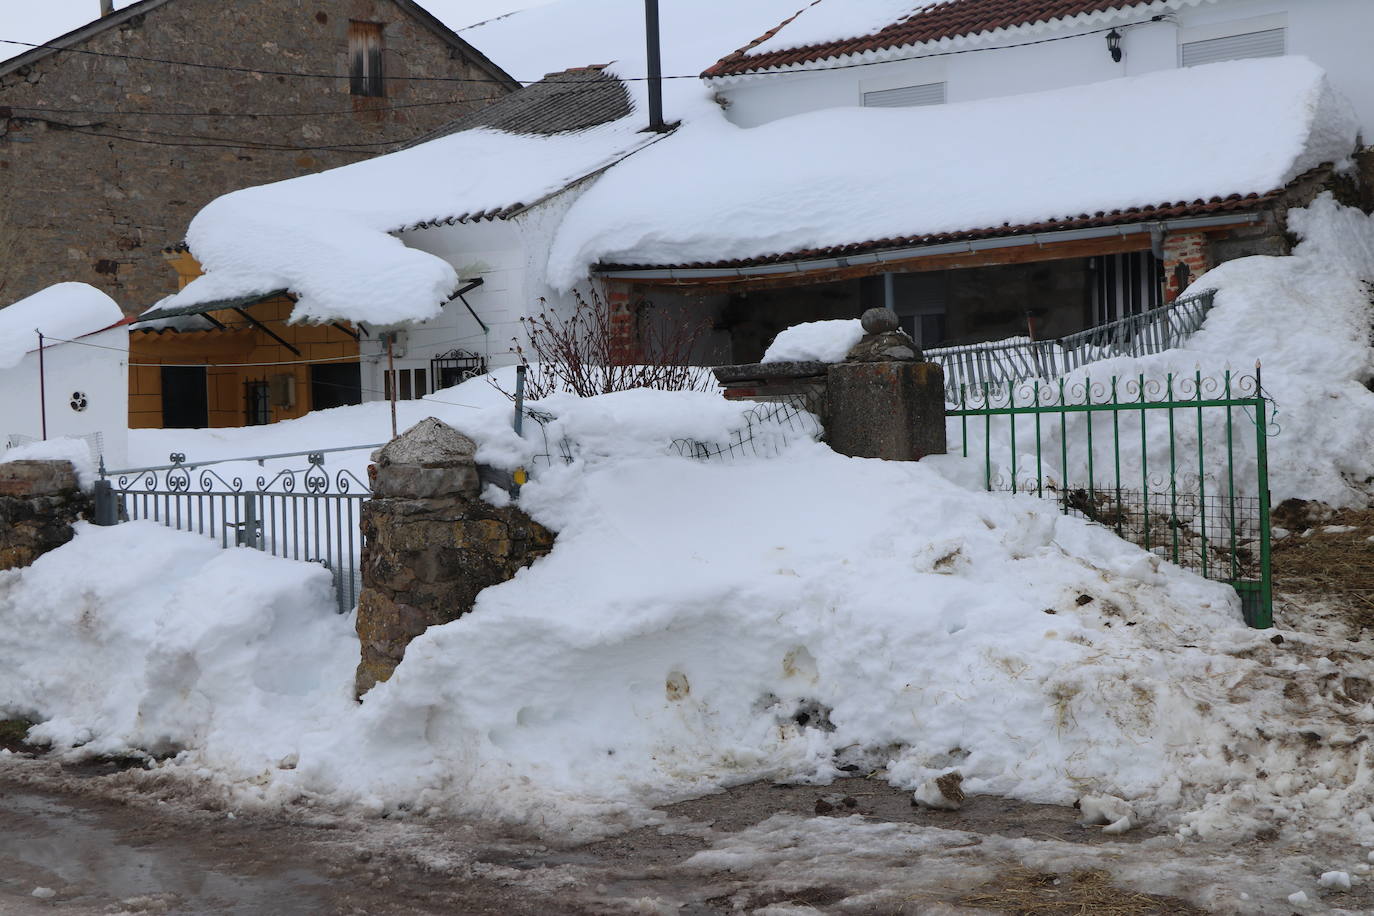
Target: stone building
111, 141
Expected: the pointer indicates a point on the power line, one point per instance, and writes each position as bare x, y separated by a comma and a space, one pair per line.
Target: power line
627, 79
243, 114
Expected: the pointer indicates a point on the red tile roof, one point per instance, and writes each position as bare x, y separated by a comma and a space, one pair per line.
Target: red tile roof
1215, 207
944, 20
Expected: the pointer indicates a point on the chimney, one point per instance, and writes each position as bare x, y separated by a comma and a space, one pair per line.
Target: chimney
106, 7
655, 67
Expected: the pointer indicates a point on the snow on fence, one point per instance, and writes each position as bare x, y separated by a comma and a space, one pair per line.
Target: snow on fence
1004, 362
303, 513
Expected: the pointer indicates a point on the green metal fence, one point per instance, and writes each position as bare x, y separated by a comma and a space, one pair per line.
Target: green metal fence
1178, 466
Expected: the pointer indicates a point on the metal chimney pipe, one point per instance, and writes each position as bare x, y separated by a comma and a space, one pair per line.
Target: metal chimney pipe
655, 67
106, 7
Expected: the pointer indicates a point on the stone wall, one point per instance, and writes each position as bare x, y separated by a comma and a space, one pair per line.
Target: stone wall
92, 196
433, 544
39, 502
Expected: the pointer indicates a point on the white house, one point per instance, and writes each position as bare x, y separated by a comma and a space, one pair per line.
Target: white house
871, 52
77, 383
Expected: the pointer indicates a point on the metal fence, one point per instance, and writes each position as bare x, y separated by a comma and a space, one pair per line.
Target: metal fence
306, 513
1178, 466
997, 363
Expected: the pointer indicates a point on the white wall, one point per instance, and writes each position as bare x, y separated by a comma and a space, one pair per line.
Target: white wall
1337, 34
100, 372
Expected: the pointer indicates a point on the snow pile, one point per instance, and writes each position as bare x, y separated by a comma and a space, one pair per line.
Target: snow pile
326, 236
815, 341
774, 189
63, 311
136, 638
697, 624
67, 448
1307, 318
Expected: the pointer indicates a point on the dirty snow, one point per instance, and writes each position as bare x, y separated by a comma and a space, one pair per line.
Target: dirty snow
774, 189
815, 341
688, 616
63, 311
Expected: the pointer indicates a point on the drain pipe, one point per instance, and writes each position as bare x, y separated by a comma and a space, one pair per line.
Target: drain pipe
655, 67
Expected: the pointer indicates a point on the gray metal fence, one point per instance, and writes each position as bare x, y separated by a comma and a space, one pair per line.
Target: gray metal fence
998, 363
308, 513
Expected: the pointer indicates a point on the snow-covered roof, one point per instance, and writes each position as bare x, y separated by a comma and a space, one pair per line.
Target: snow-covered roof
329, 237
843, 177
826, 30
64, 311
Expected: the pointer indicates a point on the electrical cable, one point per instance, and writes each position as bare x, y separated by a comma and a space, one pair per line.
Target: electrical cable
627, 79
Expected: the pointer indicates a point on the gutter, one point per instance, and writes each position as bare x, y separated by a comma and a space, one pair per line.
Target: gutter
1155, 229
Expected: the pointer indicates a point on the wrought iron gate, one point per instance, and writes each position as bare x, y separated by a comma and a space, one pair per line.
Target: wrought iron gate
304, 513
1178, 466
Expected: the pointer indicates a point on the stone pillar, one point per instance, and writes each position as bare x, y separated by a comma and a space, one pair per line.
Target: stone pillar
1187, 256
39, 502
883, 400
432, 545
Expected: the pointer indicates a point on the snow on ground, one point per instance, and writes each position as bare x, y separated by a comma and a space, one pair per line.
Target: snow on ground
697, 625
1306, 318
773, 189
818, 341
63, 311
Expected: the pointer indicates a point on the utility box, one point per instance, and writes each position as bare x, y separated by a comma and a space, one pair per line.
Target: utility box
282, 390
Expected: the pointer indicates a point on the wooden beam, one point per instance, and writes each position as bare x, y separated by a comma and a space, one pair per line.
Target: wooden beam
993, 257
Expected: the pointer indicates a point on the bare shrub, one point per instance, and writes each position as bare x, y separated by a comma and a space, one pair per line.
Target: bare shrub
576, 353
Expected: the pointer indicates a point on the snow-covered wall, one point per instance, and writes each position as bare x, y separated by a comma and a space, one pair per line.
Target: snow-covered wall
96, 369
1333, 33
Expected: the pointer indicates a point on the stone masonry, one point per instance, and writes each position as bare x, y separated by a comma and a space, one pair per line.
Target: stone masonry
39, 502
97, 178
433, 544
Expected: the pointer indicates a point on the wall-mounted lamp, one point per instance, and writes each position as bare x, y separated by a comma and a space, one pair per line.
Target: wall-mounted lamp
1114, 45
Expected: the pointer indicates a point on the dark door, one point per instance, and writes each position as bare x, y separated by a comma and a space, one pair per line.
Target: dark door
335, 385
185, 404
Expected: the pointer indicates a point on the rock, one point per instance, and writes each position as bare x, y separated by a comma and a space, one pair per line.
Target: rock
37, 478
943, 793
849, 801
1115, 813
879, 321
823, 806
887, 347
430, 443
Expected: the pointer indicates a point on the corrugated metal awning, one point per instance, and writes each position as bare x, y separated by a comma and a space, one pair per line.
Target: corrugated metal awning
241, 302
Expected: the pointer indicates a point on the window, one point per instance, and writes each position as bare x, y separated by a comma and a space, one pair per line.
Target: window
365, 59
258, 396
1268, 43
409, 384
906, 96
185, 398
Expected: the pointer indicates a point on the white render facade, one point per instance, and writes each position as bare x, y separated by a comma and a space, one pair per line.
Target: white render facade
1333, 33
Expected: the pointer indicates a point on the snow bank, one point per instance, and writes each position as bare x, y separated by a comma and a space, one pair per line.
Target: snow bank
63, 311
815, 341
774, 189
137, 638
696, 625
1307, 319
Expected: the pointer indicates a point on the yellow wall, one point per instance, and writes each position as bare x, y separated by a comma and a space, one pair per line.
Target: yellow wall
240, 342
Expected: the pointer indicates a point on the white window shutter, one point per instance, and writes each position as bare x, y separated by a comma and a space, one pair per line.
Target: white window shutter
906, 96
1269, 43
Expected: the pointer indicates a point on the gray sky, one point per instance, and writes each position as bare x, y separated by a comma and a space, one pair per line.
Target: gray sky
41, 20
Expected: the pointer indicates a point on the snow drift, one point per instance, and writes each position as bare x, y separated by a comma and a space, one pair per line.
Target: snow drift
63, 311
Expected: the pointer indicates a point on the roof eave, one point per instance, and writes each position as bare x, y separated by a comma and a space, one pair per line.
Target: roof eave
78, 35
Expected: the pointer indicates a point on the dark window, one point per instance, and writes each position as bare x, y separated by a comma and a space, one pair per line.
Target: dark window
420, 389
365, 59
404, 394
259, 397
185, 404
335, 385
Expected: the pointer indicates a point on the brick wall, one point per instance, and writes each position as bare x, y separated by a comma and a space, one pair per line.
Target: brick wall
76, 206
1187, 256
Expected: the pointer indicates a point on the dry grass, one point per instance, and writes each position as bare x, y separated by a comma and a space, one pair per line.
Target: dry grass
1027, 892
1336, 566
